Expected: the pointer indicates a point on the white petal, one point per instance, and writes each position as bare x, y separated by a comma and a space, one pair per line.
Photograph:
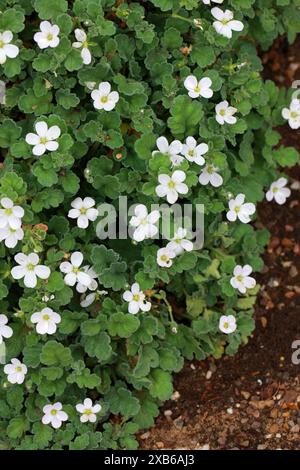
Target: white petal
32, 139
76, 258
41, 128
80, 35
18, 272
190, 82
11, 50
7, 37
30, 280
104, 88
86, 56
39, 150
43, 272
53, 133
162, 144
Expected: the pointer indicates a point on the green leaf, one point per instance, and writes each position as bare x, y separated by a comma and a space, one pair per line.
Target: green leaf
54, 353
122, 401
161, 384
17, 427
185, 116
12, 20
98, 346
80, 443
122, 325
286, 156
9, 133
49, 10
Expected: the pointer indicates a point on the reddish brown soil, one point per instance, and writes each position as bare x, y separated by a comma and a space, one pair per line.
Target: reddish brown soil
251, 401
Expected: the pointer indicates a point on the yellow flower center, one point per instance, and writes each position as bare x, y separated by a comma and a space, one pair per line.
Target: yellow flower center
171, 184
225, 22
136, 297
222, 112
18, 369
294, 115
8, 211
88, 412
43, 140
164, 258
50, 37
210, 169
46, 317
191, 153
104, 99
275, 190
30, 267
53, 412
85, 44
239, 278
75, 270
237, 209
1, 44
83, 210
226, 325
197, 89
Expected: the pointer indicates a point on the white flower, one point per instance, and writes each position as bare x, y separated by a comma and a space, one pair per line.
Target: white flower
11, 236
171, 186
6, 49
29, 269
225, 113
54, 415
241, 279
210, 175
179, 243
208, 2
193, 152
73, 272
2, 92
10, 215
82, 43
225, 23
47, 36
44, 139
104, 98
88, 411
227, 324
164, 257
5, 331
292, 114
173, 150
136, 299
81, 288
144, 223
83, 211
90, 298
90, 85
15, 371
198, 88
240, 210
278, 191
46, 321
47, 298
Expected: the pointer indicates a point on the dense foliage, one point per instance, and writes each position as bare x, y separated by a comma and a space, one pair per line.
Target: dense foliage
95, 348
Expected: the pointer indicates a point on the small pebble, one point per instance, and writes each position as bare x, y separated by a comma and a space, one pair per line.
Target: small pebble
229, 411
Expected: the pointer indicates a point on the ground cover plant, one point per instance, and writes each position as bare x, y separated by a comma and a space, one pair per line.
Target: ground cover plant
162, 102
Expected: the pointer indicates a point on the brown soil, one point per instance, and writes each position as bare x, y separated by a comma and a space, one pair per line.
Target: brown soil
252, 400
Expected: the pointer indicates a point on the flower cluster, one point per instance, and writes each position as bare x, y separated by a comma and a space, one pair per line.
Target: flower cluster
11, 231
161, 105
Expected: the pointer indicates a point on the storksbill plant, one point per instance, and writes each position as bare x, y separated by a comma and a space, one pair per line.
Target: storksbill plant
161, 102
